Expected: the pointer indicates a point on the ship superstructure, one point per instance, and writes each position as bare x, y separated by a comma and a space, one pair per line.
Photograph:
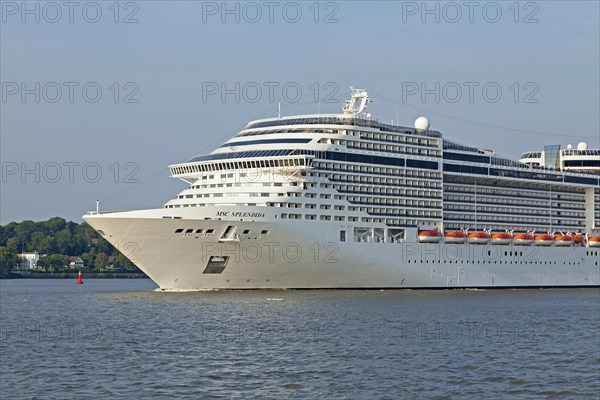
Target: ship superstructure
345, 201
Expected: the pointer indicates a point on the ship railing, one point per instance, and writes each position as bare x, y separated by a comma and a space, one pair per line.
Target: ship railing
103, 212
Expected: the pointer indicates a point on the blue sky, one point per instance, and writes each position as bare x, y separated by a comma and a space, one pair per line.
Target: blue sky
177, 47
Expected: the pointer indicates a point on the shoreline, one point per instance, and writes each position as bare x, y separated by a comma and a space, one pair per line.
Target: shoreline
73, 275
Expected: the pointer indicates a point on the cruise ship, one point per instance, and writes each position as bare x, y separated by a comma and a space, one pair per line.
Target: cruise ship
346, 201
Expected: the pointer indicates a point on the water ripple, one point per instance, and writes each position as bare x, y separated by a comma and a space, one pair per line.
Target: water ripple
121, 339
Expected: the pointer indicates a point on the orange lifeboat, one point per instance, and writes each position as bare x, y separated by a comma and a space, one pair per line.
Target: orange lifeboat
578, 239
432, 236
478, 238
563, 241
455, 237
594, 241
501, 238
523, 239
544, 240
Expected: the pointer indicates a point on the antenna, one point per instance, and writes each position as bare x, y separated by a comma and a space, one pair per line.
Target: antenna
97, 206
279, 110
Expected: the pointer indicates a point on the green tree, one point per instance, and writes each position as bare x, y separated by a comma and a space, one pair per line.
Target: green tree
53, 262
23, 233
42, 243
57, 237
89, 259
101, 261
8, 259
122, 262
53, 225
63, 241
7, 232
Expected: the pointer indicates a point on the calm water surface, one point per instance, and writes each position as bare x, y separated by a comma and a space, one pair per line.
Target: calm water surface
121, 339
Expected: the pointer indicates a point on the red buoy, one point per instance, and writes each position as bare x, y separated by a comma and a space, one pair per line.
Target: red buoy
79, 278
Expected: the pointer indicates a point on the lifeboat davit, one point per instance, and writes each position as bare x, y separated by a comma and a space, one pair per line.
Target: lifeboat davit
523, 239
455, 237
544, 240
478, 238
433, 236
501, 238
594, 241
563, 241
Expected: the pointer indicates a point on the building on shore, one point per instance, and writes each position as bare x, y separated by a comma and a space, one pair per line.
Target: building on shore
76, 262
29, 260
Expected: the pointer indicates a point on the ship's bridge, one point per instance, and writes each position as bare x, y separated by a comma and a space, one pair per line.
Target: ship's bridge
242, 160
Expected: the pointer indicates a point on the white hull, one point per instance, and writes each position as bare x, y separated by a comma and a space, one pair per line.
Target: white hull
522, 242
477, 241
455, 240
309, 254
563, 243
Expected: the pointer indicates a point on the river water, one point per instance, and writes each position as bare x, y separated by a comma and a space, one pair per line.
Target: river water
120, 338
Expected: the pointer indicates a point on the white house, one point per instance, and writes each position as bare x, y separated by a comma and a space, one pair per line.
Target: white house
76, 262
29, 260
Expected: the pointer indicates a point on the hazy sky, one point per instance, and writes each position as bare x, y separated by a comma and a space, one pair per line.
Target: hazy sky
531, 67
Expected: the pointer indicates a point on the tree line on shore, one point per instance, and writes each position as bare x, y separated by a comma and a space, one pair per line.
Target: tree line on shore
56, 240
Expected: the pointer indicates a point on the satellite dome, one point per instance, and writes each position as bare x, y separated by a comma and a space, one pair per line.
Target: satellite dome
421, 124
569, 146
582, 146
